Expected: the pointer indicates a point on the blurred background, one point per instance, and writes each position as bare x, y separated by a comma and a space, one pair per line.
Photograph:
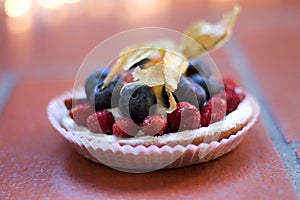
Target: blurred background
58, 34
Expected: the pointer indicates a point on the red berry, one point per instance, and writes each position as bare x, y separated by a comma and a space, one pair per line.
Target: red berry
125, 128
185, 117
229, 84
69, 102
80, 112
128, 77
233, 99
101, 122
213, 111
155, 125
241, 95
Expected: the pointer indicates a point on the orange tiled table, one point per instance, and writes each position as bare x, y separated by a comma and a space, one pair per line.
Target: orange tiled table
35, 65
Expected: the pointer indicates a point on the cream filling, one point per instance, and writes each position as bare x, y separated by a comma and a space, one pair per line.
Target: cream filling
234, 119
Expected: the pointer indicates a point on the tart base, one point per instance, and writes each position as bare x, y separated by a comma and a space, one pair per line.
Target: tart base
140, 158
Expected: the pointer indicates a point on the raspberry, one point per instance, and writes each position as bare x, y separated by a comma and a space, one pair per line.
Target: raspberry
80, 112
155, 125
185, 117
229, 84
241, 95
233, 99
69, 102
213, 111
128, 77
101, 122
125, 128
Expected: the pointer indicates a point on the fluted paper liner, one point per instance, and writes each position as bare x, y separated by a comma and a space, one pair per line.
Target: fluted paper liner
141, 158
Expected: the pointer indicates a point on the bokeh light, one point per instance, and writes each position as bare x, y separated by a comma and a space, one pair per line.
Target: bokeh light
17, 8
51, 4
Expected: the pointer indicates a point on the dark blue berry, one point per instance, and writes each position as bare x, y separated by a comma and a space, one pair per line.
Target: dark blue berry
93, 79
136, 101
197, 66
106, 97
165, 97
188, 91
210, 85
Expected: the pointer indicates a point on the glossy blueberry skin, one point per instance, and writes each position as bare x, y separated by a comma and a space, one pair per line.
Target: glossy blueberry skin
197, 66
189, 91
106, 97
93, 79
136, 101
210, 85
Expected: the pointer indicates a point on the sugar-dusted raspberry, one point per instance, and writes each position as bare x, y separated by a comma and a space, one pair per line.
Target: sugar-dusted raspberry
229, 84
233, 99
213, 111
155, 125
125, 128
73, 102
185, 117
101, 122
80, 112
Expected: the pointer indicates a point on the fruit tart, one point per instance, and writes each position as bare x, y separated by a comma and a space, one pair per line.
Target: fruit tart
158, 106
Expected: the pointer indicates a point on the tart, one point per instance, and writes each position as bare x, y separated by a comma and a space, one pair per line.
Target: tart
158, 106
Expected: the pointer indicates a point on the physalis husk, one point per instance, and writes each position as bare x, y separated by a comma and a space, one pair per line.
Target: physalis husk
171, 60
209, 36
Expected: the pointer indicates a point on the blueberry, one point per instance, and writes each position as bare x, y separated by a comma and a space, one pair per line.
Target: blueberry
136, 101
93, 79
210, 85
106, 97
165, 97
197, 66
188, 91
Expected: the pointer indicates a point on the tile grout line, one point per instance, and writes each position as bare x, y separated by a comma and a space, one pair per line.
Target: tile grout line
295, 144
285, 151
9, 81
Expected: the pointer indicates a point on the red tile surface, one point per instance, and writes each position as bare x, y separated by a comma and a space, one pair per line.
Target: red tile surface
36, 162
273, 54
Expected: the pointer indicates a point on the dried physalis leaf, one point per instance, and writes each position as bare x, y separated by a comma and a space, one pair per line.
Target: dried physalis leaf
152, 76
209, 36
135, 54
167, 72
175, 64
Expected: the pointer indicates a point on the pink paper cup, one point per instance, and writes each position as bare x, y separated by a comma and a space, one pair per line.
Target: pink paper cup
140, 158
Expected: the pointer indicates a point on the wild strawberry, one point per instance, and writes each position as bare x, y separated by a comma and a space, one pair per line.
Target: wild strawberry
101, 122
128, 77
125, 128
69, 102
213, 111
185, 117
155, 125
233, 99
229, 84
80, 112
